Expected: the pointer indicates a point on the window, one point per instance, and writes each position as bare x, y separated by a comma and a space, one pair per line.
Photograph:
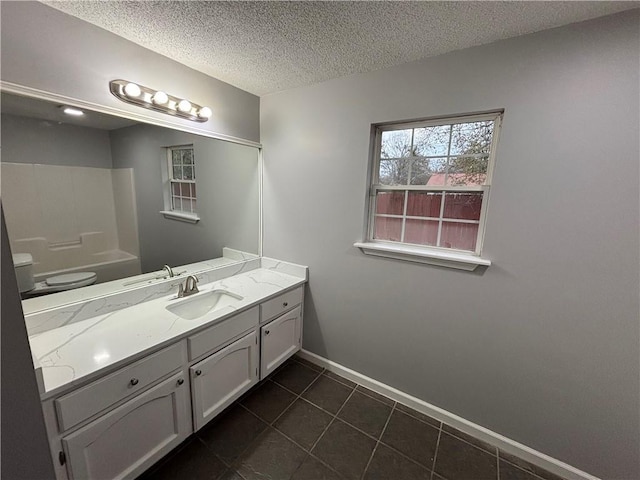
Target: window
430, 185
180, 200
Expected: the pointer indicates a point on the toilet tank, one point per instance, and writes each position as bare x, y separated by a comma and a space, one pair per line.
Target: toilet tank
23, 263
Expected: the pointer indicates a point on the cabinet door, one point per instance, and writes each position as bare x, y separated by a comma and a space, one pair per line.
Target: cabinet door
280, 340
222, 377
130, 438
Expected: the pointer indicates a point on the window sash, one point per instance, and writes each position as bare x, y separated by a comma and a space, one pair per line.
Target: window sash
172, 180
376, 187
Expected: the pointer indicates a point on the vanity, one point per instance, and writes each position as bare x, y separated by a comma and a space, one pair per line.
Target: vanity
126, 377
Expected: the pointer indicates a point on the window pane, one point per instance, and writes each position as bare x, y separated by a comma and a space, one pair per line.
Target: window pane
394, 172
390, 203
193, 205
175, 188
422, 232
467, 170
423, 169
177, 173
431, 141
388, 229
424, 204
193, 190
461, 236
463, 206
186, 205
187, 157
470, 138
187, 172
177, 203
176, 157
185, 189
396, 144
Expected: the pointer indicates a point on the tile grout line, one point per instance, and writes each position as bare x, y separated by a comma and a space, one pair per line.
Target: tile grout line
435, 454
355, 390
298, 396
308, 454
375, 447
334, 417
332, 421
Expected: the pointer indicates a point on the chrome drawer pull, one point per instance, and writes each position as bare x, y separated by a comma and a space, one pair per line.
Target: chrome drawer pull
285, 304
198, 372
133, 381
180, 381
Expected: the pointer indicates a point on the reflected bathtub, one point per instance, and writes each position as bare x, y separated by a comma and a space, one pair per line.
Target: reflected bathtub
108, 265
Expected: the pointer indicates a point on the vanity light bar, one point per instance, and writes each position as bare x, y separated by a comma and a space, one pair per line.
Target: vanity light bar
130, 92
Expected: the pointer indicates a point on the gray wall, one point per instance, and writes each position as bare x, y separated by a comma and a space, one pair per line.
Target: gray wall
542, 347
30, 140
25, 452
49, 50
226, 189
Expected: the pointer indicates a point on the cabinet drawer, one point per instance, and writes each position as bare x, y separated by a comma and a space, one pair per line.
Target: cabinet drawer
81, 404
213, 337
280, 304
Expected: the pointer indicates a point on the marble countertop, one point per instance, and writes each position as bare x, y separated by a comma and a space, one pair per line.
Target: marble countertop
79, 352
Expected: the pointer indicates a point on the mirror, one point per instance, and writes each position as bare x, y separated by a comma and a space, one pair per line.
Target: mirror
108, 195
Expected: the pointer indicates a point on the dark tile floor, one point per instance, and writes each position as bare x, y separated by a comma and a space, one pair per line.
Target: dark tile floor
304, 423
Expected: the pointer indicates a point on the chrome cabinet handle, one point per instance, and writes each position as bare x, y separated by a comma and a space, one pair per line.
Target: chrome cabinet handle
180, 381
133, 381
198, 373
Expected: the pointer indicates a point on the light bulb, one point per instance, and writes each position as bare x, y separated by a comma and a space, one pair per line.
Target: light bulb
205, 112
73, 111
160, 98
184, 106
132, 90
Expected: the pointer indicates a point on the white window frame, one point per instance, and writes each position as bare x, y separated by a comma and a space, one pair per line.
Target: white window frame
441, 256
170, 211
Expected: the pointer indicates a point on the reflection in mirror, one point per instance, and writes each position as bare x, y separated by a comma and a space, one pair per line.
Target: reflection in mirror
94, 198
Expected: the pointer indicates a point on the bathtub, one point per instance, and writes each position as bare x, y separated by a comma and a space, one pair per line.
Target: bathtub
108, 265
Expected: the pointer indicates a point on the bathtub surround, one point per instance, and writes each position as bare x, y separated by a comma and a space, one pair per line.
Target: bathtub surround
543, 346
66, 218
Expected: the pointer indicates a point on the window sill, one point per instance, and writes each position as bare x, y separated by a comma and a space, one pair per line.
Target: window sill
408, 253
182, 217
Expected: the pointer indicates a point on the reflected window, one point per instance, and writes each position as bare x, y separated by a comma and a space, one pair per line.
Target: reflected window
430, 182
182, 178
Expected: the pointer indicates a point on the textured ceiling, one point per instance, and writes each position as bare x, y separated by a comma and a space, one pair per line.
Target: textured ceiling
264, 47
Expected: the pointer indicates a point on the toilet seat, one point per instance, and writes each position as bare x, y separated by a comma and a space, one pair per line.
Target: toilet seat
79, 279
60, 283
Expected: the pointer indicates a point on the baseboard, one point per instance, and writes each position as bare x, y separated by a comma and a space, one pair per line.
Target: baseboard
503, 443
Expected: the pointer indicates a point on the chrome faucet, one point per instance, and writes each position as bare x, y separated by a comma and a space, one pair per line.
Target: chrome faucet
169, 270
189, 288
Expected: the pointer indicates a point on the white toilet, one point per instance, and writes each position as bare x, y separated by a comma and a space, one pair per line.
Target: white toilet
23, 263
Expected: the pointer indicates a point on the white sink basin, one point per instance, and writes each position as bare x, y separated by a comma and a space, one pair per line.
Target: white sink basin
192, 308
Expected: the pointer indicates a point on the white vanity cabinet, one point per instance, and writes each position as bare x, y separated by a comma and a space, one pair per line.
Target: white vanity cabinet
221, 378
127, 440
123, 422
